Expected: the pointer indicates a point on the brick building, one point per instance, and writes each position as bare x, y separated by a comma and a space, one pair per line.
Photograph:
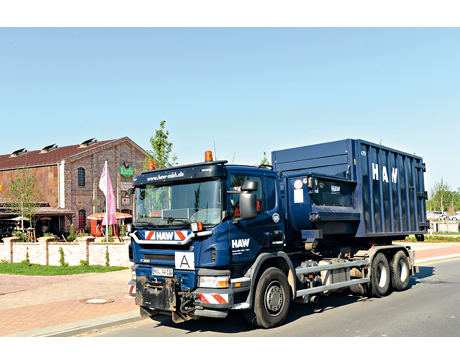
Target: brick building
69, 178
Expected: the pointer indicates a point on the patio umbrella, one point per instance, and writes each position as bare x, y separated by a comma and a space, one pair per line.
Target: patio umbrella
118, 216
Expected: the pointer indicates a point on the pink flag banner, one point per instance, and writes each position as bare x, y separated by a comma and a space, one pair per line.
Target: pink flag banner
105, 184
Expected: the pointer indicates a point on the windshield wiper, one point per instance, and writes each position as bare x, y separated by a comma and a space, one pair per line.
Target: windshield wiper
179, 219
146, 224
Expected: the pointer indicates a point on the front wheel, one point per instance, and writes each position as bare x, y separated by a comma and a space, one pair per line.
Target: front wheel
271, 300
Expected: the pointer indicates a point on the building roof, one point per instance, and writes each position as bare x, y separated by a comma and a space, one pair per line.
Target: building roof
41, 212
48, 155
44, 209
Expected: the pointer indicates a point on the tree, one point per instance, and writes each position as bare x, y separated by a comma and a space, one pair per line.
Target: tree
161, 149
265, 160
24, 194
442, 198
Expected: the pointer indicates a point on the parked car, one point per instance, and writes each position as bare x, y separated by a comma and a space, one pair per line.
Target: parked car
443, 216
437, 215
455, 217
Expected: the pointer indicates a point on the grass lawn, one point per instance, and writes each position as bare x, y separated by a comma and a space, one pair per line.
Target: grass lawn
434, 239
49, 270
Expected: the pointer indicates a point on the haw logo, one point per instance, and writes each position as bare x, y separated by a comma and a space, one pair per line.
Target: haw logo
166, 235
375, 173
240, 243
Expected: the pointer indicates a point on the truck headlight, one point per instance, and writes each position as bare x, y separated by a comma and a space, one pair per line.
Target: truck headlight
133, 271
213, 282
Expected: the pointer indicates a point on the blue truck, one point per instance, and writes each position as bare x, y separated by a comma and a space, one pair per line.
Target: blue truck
212, 237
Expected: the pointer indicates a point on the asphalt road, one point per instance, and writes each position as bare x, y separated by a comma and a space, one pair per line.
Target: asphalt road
429, 308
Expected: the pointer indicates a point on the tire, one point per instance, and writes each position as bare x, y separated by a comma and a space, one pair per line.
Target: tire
271, 300
399, 271
380, 276
359, 289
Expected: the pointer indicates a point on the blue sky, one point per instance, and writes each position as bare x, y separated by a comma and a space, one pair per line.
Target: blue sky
248, 90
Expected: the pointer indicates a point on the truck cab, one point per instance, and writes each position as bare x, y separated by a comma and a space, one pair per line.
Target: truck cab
198, 229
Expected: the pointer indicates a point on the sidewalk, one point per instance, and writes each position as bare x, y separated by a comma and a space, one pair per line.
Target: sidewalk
52, 306
425, 252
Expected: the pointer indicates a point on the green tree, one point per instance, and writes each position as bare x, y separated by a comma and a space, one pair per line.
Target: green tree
265, 160
441, 197
24, 194
161, 149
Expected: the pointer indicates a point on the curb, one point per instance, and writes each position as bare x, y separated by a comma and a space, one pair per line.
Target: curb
79, 327
445, 257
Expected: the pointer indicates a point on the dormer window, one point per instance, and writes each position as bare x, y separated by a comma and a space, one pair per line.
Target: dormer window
18, 152
49, 148
88, 142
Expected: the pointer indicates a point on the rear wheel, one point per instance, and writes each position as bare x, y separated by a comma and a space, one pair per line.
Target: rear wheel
399, 270
380, 276
271, 300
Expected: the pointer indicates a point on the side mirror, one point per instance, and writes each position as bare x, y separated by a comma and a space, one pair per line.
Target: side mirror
250, 186
130, 192
248, 206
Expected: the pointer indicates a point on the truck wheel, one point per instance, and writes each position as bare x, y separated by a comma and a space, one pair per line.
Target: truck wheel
271, 300
380, 276
399, 270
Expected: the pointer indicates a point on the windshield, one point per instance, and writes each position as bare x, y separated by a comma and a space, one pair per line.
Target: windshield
179, 205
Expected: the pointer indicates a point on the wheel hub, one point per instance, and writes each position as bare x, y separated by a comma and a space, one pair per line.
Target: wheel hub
381, 275
274, 299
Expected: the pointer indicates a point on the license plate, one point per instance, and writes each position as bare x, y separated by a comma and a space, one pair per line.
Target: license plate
163, 272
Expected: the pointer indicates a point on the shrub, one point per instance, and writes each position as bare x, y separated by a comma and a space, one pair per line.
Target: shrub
107, 256
20, 235
72, 233
27, 260
62, 261
84, 263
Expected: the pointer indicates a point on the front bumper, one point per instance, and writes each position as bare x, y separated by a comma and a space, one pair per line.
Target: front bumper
162, 295
214, 298
166, 295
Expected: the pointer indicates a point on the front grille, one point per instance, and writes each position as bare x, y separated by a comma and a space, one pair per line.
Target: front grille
164, 247
159, 257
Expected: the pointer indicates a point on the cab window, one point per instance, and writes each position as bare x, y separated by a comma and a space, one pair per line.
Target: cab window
236, 182
271, 193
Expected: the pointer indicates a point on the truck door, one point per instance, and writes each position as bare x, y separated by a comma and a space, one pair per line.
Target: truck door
273, 207
248, 237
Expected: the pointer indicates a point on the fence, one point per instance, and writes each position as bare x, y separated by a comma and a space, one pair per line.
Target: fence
47, 251
446, 226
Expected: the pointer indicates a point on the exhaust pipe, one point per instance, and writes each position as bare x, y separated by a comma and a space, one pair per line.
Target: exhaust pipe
307, 299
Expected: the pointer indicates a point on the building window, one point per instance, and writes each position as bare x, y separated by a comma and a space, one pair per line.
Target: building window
81, 177
81, 219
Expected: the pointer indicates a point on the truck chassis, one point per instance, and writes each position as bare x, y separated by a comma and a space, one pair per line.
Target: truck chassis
272, 283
